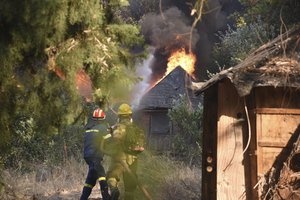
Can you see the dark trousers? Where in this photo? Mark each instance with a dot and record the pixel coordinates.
(96, 173)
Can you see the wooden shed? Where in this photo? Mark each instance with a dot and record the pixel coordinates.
(154, 106)
(250, 113)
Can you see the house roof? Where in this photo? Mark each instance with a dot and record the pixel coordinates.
(276, 63)
(166, 91)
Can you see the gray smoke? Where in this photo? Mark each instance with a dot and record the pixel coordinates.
(170, 30)
(171, 33)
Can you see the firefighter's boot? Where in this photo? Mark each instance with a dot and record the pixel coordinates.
(115, 193)
(104, 190)
(113, 186)
(86, 191)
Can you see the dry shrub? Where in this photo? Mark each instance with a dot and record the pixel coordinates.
(283, 179)
(163, 178)
(166, 179)
(46, 182)
(185, 183)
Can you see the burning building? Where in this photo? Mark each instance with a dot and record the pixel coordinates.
(161, 96)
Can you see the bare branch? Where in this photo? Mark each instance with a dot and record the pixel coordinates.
(161, 11)
(197, 19)
(283, 26)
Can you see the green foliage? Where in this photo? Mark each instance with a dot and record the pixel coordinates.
(272, 12)
(126, 33)
(87, 14)
(235, 45)
(119, 2)
(138, 9)
(29, 148)
(260, 22)
(42, 47)
(187, 144)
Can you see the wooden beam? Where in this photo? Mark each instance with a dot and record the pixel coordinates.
(250, 157)
(283, 111)
(271, 144)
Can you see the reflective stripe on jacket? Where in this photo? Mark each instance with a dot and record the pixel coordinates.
(92, 141)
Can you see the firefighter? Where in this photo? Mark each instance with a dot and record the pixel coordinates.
(127, 142)
(95, 133)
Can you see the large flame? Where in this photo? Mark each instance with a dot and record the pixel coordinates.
(181, 58)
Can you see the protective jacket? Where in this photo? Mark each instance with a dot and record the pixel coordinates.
(93, 135)
(127, 142)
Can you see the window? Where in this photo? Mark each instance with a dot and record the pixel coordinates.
(160, 123)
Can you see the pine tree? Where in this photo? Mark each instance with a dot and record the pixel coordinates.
(43, 44)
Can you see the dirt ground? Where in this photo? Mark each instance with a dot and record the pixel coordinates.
(62, 195)
(68, 195)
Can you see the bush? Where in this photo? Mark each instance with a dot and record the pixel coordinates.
(29, 148)
(235, 45)
(187, 142)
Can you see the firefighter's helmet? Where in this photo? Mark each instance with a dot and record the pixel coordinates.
(124, 109)
(99, 114)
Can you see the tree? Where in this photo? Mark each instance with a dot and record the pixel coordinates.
(42, 47)
(273, 12)
(138, 8)
(258, 23)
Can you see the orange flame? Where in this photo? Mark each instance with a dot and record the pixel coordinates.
(84, 85)
(83, 82)
(181, 58)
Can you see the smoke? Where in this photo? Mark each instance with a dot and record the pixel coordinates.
(143, 71)
(170, 31)
(166, 32)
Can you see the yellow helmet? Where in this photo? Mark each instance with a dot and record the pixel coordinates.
(124, 109)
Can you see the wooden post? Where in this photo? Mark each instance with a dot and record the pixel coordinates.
(209, 156)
